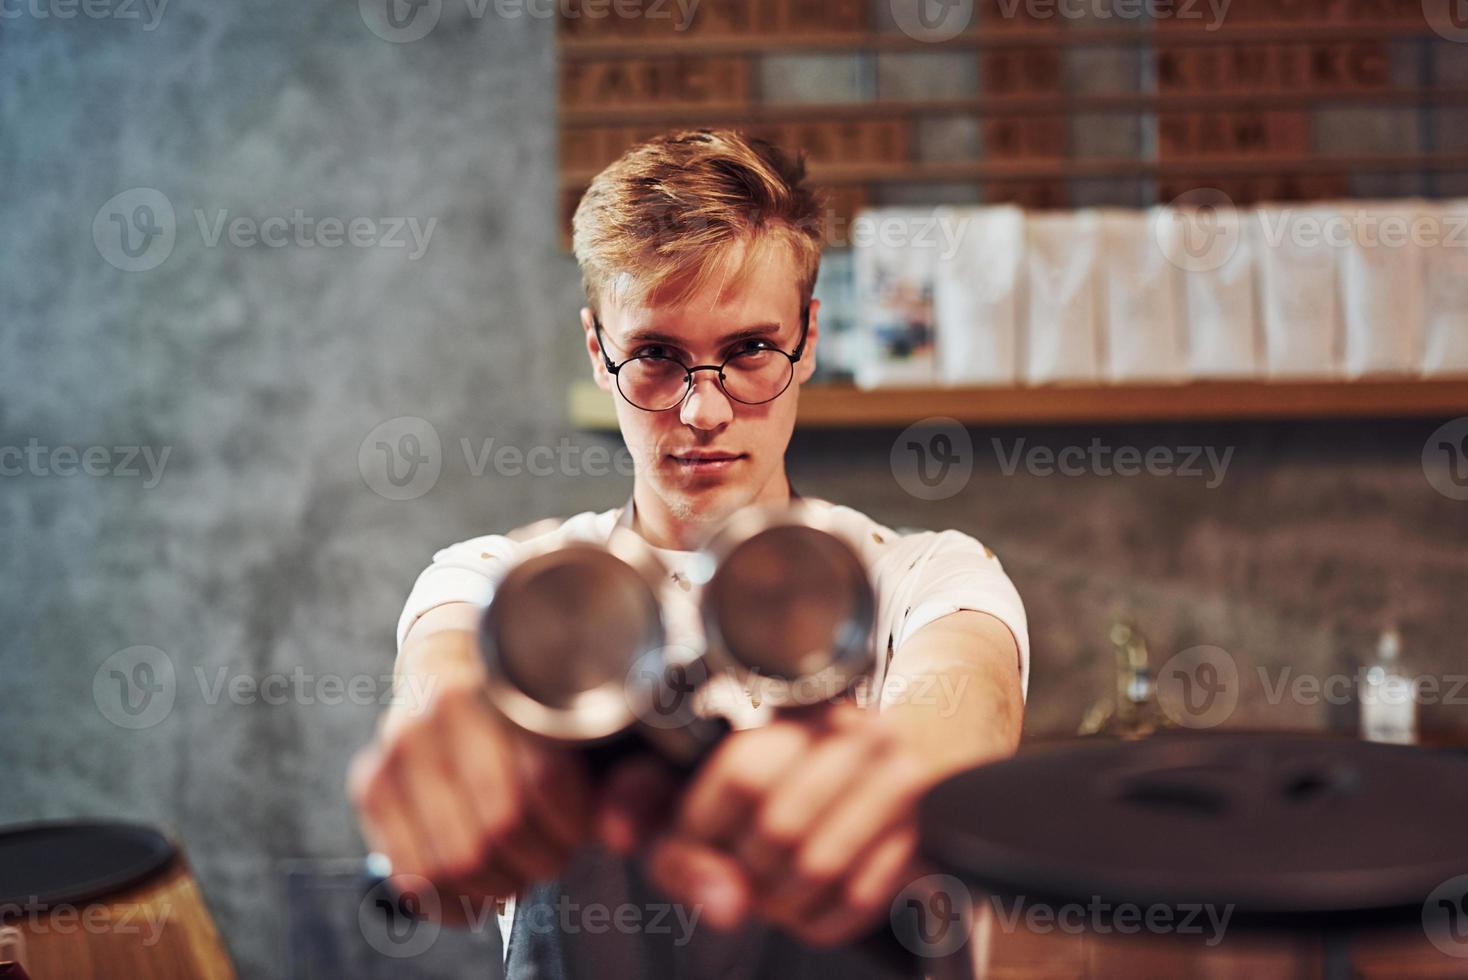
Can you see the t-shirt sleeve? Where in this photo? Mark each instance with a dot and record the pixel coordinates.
(960, 573)
(463, 572)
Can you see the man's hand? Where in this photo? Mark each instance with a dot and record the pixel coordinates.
(451, 794)
(807, 823)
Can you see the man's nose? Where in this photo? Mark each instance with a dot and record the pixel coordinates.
(706, 406)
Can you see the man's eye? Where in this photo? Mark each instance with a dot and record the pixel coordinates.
(750, 346)
(653, 350)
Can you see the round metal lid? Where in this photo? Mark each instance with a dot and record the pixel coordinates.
(1283, 827)
(52, 863)
(563, 633)
(789, 605)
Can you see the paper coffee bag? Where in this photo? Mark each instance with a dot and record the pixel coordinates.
(975, 299)
(1062, 329)
(1144, 330)
(896, 254)
(1297, 249)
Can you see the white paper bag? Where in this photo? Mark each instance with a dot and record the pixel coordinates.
(1445, 316)
(896, 254)
(1062, 334)
(1297, 251)
(976, 292)
(1381, 287)
(1215, 251)
(1144, 332)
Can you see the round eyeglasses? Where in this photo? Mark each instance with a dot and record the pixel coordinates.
(754, 372)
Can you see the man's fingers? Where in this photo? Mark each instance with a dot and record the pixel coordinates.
(385, 824)
(863, 899)
(696, 874)
(795, 806)
(722, 799)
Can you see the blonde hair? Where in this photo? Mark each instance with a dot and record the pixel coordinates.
(660, 222)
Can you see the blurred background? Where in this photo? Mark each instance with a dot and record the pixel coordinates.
(285, 306)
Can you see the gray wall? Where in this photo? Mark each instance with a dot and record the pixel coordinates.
(264, 549)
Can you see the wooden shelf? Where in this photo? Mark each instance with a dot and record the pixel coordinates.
(843, 406)
(1061, 168)
(572, 47)
(1010, 104)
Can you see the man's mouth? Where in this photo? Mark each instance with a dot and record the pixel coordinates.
(705, 462)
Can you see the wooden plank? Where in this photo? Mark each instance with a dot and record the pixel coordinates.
(1254, 189)
(1335, 68)
(1025, 138)
(1248, 133)
(1021, 70)
(590, 148)
(1250, 15)
(1016, 104)
(714, 83)
(1036, 195)
(1018, 37)
(1214, 167)
(664, 21)
(839, 406)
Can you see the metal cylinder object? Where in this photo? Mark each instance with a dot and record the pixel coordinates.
(789, 606)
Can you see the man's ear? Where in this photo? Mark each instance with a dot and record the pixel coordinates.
(593, 350)
(807, 363)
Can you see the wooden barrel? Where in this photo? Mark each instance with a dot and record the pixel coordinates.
(102, 899)
(1221, 855)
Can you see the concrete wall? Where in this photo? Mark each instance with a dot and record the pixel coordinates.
(269, 549)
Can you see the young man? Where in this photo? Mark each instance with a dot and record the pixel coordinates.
(699, 252)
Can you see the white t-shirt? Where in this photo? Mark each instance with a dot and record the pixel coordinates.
(918, 577)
